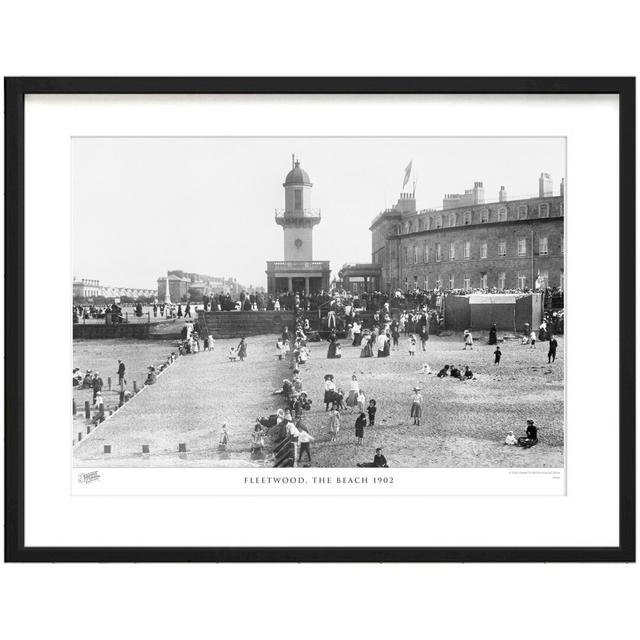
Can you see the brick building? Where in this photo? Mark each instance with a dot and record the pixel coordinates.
(472, 244)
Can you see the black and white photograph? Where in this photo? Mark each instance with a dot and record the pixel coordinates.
(348, 302)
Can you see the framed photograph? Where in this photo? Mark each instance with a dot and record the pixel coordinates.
(320, 319)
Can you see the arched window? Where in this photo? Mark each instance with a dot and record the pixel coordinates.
(452, 219)
(502, 214)
(439, 222)
(484, 215)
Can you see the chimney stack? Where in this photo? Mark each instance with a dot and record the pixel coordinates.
(545, 185)
(502, 196)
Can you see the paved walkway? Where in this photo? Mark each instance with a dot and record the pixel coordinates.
(188, 405)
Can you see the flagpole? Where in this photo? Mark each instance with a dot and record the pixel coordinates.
(415, 179)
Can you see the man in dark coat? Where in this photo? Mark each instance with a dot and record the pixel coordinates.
(553, 345)
(121, 370)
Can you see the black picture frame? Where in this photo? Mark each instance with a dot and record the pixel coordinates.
(15, 91)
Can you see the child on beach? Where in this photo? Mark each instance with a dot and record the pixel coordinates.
(212, 343)
(498, 354)
(371, 410)
(354, 392)
(361, 401)
(334, 424)
(416, 406)
(233, 356)
(412, 345)
(361, 422)
(279, 349)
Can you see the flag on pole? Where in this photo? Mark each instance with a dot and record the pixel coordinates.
(407, 174)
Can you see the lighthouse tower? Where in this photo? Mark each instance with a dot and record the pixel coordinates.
(297, 219)
(298, 271)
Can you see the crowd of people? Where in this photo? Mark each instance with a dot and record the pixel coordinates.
(288, 424)
(375, 333)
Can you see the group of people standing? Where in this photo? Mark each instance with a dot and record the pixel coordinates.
(356, 402)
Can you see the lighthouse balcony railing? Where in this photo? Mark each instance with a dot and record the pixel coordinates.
(282, 214)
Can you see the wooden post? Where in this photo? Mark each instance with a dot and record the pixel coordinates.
(74, 407)
(79, 436)
(88, 429)
(182, 447)
(109, 383)
(145, 448)
(87, 410)
(107, 448)
(135, 387)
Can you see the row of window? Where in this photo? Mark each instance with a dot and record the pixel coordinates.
(421, 254)
(521, 281)
(451, 219)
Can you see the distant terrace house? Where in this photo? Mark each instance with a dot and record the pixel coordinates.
(472, 244)
(88, 289)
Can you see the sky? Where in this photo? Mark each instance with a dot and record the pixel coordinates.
(142, 206)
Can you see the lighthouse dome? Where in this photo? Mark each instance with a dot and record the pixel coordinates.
(297, 175)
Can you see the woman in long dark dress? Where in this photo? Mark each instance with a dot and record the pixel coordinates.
(387, 345)
(242, 350)
(366, 351)
(331, 352)
(361, 422)
(493, 337)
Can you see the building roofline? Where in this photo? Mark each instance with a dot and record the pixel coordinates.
(476, 225)
(391, 212)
